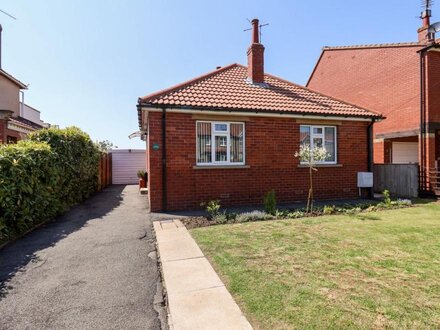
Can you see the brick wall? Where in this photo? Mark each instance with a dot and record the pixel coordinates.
(15, 134)
(154, 160)
(382, 151)
(385, 80)
(3, 129)
(5, 132)
(270, 146)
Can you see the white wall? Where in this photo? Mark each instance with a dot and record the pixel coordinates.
(9, 95)
(31, 114)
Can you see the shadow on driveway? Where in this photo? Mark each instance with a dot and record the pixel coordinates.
(20, 253)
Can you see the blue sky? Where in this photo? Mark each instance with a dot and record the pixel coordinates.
(87, 62)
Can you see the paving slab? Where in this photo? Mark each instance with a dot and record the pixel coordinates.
(172, 234)
(181, 248)
(197, 298)
(206, 309)
(189, 275)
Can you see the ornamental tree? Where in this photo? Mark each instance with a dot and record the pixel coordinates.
(310, 157)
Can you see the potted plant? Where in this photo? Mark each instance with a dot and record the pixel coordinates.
(142, 182)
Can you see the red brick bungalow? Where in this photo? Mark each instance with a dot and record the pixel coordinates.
(401, 81)
(231, 135)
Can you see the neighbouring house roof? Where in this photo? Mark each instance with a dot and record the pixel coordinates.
(12, 79)
(384, 45)
(25, 123)
(229, 89)
(392, 51)
(17, 124)
(420, 44)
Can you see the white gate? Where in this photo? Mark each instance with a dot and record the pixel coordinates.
(125, 165)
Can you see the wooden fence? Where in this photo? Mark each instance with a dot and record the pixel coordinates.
(105, 171)
(400, 180)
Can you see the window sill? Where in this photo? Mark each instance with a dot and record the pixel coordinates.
(320, 165)
(218, 167)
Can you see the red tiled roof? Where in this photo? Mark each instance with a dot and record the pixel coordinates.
(228, 89)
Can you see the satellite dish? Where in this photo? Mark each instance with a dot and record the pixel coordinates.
(434, 28)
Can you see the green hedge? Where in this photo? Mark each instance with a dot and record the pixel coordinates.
(45, 176)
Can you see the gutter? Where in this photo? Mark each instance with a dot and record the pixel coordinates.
(370, 153)
(253, 112)
(164, 159)
(423, 187)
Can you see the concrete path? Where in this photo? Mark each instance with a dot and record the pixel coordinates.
(197, 298)
(93, 268)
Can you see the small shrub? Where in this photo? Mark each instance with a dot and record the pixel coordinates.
(141, 174)
(403, 202)
(281, 214)
(352, 211)
(220, 218)
(270, 204)
(296, 214)
(328, 209)
(371, 208)
(213, 208)
(231, 217)
(386, 199)
(363, 206)
(254, 216)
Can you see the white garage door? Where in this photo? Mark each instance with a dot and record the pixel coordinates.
(125, 165)
(405, 152)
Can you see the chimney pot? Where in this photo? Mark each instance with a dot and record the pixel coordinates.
(255, 55)
(423, 31)
(255, 32)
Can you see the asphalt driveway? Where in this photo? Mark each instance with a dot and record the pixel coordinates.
(93, 268)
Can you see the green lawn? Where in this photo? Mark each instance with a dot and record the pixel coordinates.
(372, 270)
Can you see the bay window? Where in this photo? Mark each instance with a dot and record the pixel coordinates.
(220, 143)
(320, 136)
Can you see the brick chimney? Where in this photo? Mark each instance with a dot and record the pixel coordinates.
(424, 36)
(255, 56)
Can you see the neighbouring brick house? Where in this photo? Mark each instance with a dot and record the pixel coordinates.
(231, 135)
(401, 81)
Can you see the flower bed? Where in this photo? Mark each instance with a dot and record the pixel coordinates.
(216, 216)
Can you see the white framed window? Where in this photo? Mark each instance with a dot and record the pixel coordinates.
(220, 143)
(320, 136)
